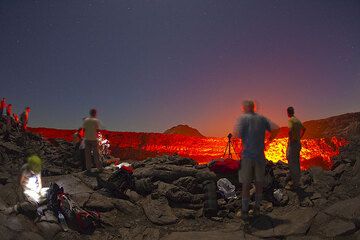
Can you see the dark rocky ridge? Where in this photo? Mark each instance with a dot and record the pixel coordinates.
(344, 125)
(184, 130)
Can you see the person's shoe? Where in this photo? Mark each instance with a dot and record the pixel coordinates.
(88, 173)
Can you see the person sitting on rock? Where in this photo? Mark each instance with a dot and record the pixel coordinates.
(251, 129)
(91, 126)
(30, 182)
(296, 132)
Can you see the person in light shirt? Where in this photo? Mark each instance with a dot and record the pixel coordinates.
(91, 126)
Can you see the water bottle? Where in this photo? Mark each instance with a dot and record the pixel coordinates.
(226, 188)
(63, 222)
(278, 194)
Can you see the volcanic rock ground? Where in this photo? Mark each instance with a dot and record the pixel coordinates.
(167, 202)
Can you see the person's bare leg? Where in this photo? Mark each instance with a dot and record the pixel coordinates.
(258, 196)
(245, 197)
(97, 156)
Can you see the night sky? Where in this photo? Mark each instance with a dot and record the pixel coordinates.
(150, 65)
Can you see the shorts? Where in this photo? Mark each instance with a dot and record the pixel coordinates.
(252, 170)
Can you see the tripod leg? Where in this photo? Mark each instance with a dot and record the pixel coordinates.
(236, 155)
(226, 149)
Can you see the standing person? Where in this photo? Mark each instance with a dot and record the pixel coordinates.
(2, 106)
(9, 110)
(8, 122)
(16, 118)
(16, 121)
(24, 118)
(79, 153)
(91, 126)
(296, 132)
(251, 129)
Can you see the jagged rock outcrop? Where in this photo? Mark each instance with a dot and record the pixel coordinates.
(184, 130)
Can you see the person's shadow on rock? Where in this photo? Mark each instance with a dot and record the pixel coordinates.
(265, 222)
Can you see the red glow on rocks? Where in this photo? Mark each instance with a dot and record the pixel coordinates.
(138, 146)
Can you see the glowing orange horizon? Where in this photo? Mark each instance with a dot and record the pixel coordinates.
(138, 146)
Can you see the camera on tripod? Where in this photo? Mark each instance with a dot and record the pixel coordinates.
(228, 148)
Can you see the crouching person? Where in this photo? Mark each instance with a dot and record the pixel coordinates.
(30, 181)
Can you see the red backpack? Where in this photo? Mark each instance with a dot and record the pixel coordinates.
(76, 217)
(226, 166)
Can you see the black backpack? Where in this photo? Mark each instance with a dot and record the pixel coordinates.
(76, 217)
(119, 181)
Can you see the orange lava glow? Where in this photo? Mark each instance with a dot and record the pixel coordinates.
(138, 146)
(314, 152)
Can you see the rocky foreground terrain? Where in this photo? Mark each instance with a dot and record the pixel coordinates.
(167, 201)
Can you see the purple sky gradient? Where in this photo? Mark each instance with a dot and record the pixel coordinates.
(150, 65)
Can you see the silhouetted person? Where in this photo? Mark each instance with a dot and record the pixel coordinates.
(9, 121)
(9, 110)
(296, 132)
(16, 118)
(80, 147)
(2, 106)
(24, 118)
(91, 126)
(251, 129)
(16, 121)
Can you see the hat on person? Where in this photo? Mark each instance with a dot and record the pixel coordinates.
(34, 163)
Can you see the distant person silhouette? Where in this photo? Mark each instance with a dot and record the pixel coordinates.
(9, 110)
(251, 128)
(24, 118)
(79, 153)
(296, 132)
(9, 122)
(2, 106)
(16, 118)
(16, 121)
(91, 126)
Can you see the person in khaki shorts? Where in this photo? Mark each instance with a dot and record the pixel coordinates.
(296, 132)
(91, 126)
(251, 128)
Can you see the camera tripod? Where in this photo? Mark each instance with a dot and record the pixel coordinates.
(228, 147)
